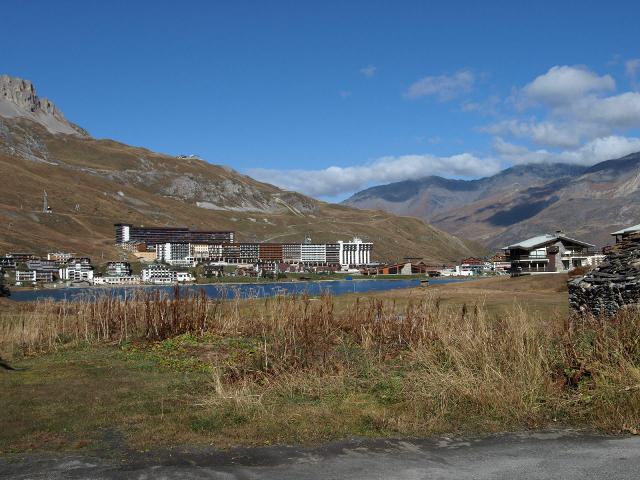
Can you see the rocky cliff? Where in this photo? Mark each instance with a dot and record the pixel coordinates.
(18, 99)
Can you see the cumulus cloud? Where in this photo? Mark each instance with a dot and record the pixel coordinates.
(562, 84)
(548, 133)
(333, 181)
(595, 151)
(369, 71)
(443, 87)
(617, 111)
(577, 107)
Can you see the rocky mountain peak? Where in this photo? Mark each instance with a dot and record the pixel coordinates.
(18, 99)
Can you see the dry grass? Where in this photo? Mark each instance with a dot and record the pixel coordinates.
(297, 369)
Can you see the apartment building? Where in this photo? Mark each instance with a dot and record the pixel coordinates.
(271, 252)
(205, 251)
(159, 274)
(7, 263)
(175, 254)
(78, 270)
(125, 233)
(60, 257)
(185, 277)
(313, 253)
(355, 253)
(118, 269)
(181, 246)
(33, 276)
(117, 280)
(291, 252)
(43, 265)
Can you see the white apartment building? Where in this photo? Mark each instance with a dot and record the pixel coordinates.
(175, 254)
(184, 277)
(118, 269)
(76, 272)
(160, 274)
(355, 253)
(117, 280)
(204, 251)
(25, 276)
(311, 253)
(60, 256)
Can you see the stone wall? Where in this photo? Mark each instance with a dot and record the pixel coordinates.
(612, 285)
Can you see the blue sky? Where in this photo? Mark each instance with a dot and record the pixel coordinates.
(330, 97)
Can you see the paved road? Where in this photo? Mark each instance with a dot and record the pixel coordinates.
(549, 455)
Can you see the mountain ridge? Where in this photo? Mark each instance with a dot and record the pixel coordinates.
(93, 183)
(524, 200)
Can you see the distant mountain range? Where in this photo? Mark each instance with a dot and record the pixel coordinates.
(520, 202)
(92, 184)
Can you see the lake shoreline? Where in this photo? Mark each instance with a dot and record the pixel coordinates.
(234, 290)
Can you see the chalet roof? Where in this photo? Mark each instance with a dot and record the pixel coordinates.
(635, 228)
(541, 240)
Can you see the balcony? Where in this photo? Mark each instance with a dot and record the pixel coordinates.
(577, 254)
(529, 258)
(524, 268)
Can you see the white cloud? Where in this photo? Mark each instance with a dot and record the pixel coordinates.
(595, 151)
(548, 133)
(617, 111)
(576, 109)
(562, 84)
(333, 181)
(443, 87)
(369, 71)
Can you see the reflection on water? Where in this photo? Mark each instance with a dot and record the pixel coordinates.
(245, 290)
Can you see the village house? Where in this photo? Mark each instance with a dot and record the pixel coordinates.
(472, 266)
(625, 232)
(500, 263)
(548, 253)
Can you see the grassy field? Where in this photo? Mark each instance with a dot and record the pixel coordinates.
(545, 294)
(454, 358)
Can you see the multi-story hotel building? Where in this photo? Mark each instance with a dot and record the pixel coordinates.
(291, 252)
(77, 271)
(180, 246)
(118, 269)
(157, 273)
(313, 253)
(355, 253)
(126, 233)
(174, 253)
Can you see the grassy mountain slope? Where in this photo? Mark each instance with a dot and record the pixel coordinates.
(92, 184)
